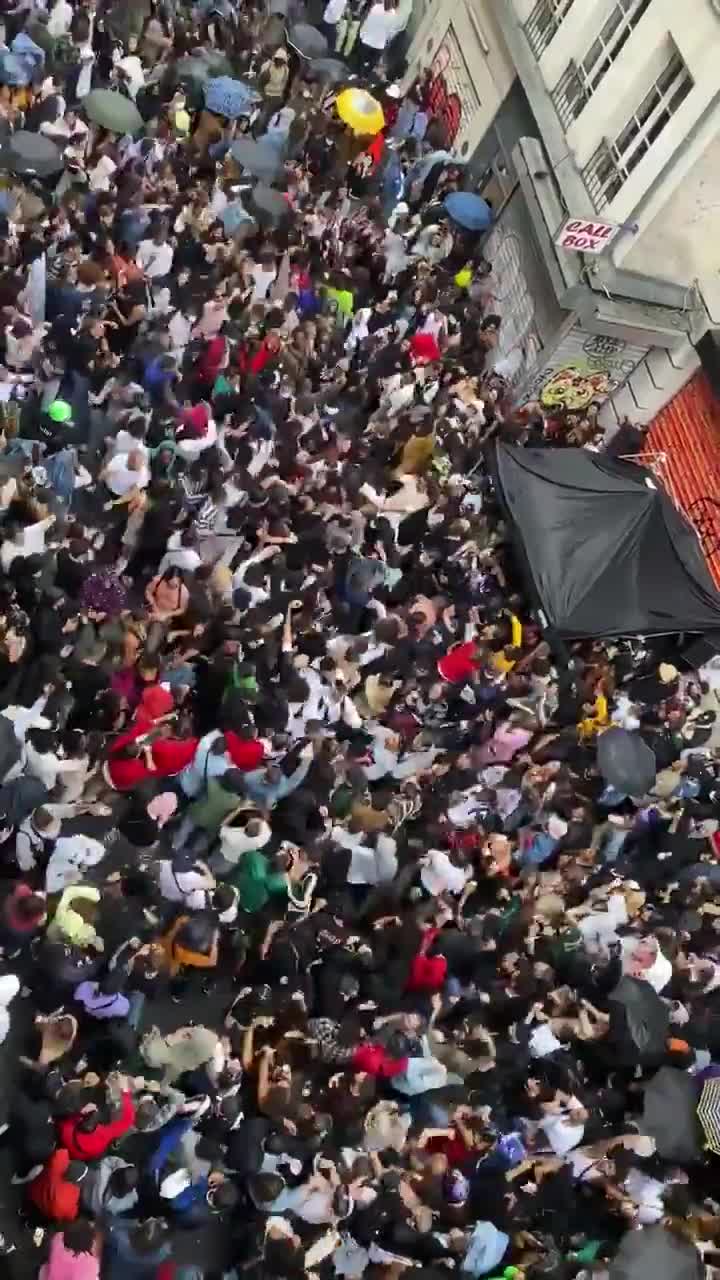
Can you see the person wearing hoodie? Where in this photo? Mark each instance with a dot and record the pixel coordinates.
(110, 1188)
(55, 1192)
(87, 1135)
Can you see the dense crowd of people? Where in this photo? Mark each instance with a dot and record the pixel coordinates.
(327, 948)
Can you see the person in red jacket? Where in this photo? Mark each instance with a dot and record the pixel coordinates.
(129, 760)
(461, 662)
(246, 753)
(87, 1137)
(55, 1192)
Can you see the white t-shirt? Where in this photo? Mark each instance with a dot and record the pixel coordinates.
(187, 887)
(561, 1134)
(155, 259)
(101, 174)
(379, 27)
(120, 479)
(263, 279)
(334, 10)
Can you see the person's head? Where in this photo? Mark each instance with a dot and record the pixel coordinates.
(149, 1236)
(79, 1236)
(31, 908)
(122, 1182)
(223, 1198)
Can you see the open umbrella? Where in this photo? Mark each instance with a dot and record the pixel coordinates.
(112, 111)
(231, 98)
(307, 40)
(468, 210)
(360, 111)
(270, 205)
(330, 69)
(654, 1253)
(626, 761)
(259, 158)
(639, 1022)
(708, 1113)
(31, 153)
(670, 1115)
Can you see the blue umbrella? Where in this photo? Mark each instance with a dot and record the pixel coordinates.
(468, 210)
(231, 98)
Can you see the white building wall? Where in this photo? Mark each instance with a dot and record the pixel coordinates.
(673, 193)
(465, 31)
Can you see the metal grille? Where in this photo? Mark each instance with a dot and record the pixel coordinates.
(614, 161)
(459, 78)
(545, 22)
(580, 80)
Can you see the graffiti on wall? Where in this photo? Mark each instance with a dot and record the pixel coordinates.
(584, 368)
(452, 96)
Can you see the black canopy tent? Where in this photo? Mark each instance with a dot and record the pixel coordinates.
(606, 551)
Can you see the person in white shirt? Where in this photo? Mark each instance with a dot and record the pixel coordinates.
(181, 552)
(26, 540)
(185, 880)
(333, 13)
(240, 833)
(126, 471)
(376, 33)
(155, 256)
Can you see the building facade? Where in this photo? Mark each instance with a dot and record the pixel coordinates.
(620, 122)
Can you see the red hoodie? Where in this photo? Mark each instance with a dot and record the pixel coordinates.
(459, 663)
(171, 755)
(125, 774)
(246, 753)
(93, 1144)
(155, 703)
(55, 1198)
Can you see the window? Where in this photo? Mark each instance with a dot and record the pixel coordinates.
(580, 81)
(613, 162)
(545, 22)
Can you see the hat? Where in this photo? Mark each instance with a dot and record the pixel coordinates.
(59, 411)
(281, 53)
(667, 672)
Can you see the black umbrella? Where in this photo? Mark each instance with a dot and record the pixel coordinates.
(269, 204)
(259, 158)
(670, 1115)
(653, 1253)
(330, 69)
(307, 40)
(626, 761)
(639, 1022)
(31, 153)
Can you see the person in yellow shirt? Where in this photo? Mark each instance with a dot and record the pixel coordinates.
(596, 719)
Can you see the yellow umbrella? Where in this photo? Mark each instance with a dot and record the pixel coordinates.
(361, 111)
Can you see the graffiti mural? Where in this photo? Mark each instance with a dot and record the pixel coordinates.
(584, 368)
(444, 103)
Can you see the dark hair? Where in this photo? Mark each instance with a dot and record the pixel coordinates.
(79, 1236)
(148, 1236)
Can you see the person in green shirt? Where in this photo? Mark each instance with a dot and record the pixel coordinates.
(258, 877)
(207, 814)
